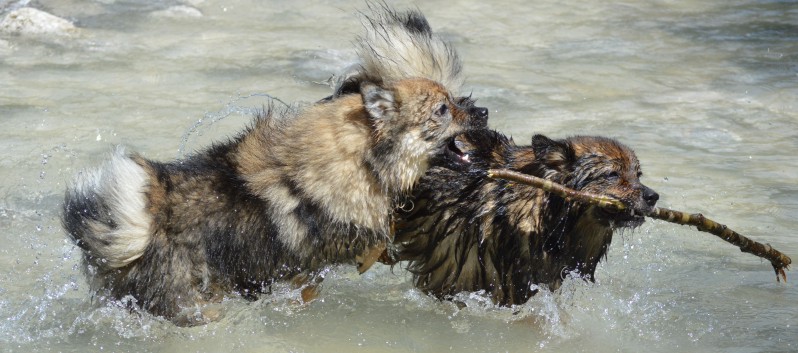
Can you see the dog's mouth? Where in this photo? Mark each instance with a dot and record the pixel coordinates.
(627, 218)
(454, 151)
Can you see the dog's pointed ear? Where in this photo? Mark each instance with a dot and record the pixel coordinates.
(379, 102)
(555, 155)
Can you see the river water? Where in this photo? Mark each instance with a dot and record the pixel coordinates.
(706, 92)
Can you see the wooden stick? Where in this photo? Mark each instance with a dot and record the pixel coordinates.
(557, 189)
(779, 261)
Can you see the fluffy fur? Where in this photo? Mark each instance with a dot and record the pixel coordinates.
(121, 214)
(399, 45)
(471, 233)
(292, 194)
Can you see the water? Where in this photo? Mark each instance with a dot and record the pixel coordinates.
(704, 91)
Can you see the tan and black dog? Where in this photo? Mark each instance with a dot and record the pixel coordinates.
(467, 232)
(292, 194)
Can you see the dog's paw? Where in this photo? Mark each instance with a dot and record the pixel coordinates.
(199, 315)
(310, 293)
(369, 257)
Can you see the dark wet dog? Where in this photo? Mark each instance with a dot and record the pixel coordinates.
(467, 232)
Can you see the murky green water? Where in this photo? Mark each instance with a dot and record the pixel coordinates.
(706, 92)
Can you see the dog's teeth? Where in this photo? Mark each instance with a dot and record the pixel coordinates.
(465, 158)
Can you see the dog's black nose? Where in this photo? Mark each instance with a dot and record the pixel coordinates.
(479, 117)
(482, 113)
(650, 196)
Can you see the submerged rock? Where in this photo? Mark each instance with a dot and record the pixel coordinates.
(28, 20)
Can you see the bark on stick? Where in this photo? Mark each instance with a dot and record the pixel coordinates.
(779, 261)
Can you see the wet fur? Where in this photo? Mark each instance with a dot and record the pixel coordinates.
(467, 232)
(292, 194)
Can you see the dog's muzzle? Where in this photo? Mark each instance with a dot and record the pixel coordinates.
(478, 117)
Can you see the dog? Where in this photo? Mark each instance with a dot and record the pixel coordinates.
(462, 231)
(295, 192)
(468, 233)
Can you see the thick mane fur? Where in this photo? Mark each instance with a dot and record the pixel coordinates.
(399, 45)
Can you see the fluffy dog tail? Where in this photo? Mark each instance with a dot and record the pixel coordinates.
(400, 45)
(105, 212)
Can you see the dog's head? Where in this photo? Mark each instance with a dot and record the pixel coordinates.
(414, 120)
(397, 51)
(600, 166)
(423, 113)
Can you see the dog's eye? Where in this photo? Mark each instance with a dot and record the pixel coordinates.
(442, 110)
(613, 175)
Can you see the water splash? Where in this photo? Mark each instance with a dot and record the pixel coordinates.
(230, 108)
